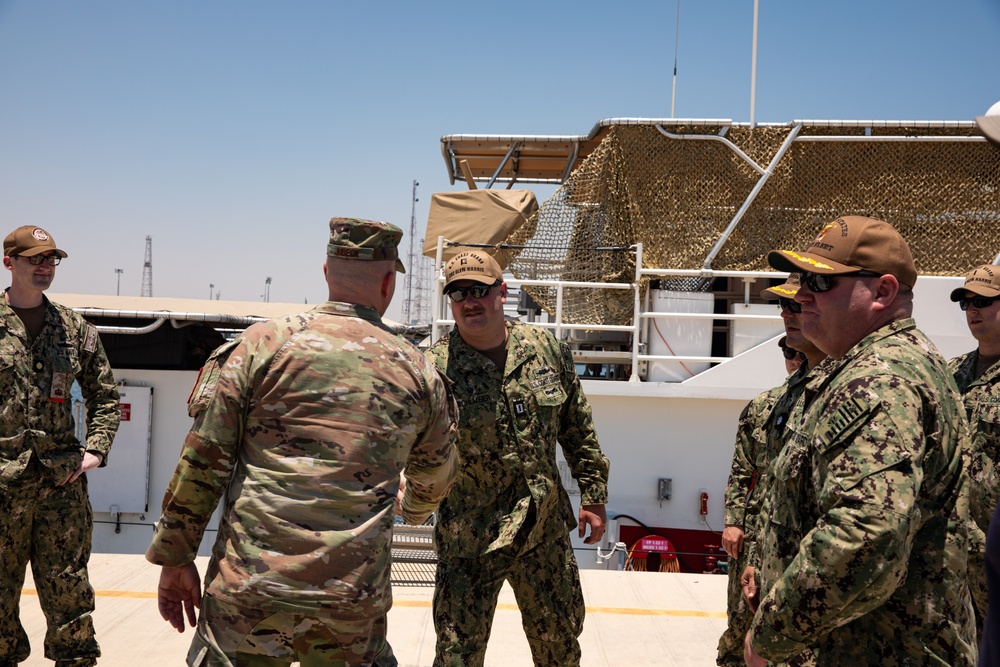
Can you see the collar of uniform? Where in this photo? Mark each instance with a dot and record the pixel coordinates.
(829, 367)
(345, 309)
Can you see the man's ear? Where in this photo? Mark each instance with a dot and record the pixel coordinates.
(886, 290)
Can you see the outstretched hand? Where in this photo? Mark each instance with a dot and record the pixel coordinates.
(179, 594)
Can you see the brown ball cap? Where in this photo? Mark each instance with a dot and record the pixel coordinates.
(29, 240)
(786, 289)
(850, 244)
(983, 280)
(473, 265)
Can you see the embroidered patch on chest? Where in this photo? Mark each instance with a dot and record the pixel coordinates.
(844, 417)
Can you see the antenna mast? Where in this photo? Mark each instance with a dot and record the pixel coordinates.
(147, 269)
(417, 272)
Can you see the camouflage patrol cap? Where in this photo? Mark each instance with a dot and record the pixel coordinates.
(850, 244)
(354, 238)
(29, 240)
(473, 265)
(785, 290)
(983, 280)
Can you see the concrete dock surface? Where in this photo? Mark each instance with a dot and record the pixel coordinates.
(633, 619)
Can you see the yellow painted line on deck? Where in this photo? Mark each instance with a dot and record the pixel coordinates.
(622, 611)
(426, 604)
(107, 594)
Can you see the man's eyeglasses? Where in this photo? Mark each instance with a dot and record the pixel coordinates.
(36, 260)
(789, 353)
(459, 294)
(977, 302)
(824, 282)
(789, 304)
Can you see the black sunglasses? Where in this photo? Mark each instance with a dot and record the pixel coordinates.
(459, 294)
(789, 353)
(976, 302)
(789, 304)
(37, 260)
(824, 282)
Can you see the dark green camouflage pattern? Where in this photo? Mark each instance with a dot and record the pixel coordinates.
(742, 505)
(508, 515)
(509, 422)
(39, 520)
(784, 410)
(982, 408)
(36, 417)
(864, 548)
(546, 585)
(304, 423)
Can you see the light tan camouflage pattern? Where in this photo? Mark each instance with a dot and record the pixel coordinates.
(982, 408)
(742, 505)
(864, 549)
(304, 424)
(509, 422)
(272, 639)
(40, 521)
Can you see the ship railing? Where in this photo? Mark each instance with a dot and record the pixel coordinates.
(637, 356)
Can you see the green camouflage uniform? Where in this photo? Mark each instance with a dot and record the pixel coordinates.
(787, 408)
(508, 516)
(304, 424)
(864, 548)
(982, 407)
(40, 521)
(743, 499)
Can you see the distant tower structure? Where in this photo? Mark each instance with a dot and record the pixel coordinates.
(147, 269)
(416, 307)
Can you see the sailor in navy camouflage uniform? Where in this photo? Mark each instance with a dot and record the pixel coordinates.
(508, 516)
(977, 375)
(864, 549)
(45, 514)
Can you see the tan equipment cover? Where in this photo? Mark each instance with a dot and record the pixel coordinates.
(477, 216)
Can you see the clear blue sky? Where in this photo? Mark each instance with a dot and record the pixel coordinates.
(231, 130)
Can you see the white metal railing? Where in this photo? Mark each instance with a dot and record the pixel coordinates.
(635, 355)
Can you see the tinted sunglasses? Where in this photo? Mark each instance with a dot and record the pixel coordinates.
(37, 260)
(789, 353)
(789, 304)
(976, 302)
(823, 282)
(459, 294)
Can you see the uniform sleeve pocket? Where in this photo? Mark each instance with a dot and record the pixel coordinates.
(208, 378)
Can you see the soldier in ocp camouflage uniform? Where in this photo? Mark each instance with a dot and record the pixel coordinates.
(977, 375)
(45, 514)
(508, 516)
(303, 424)
(863, 553)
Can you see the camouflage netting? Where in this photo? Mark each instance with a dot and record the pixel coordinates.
(677, 197)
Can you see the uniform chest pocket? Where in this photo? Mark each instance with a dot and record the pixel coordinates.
(986, 425)
(66, 360)
(790, 478)
(477, 415)
(545, 388)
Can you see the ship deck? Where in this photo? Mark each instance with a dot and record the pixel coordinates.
(633, 618)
